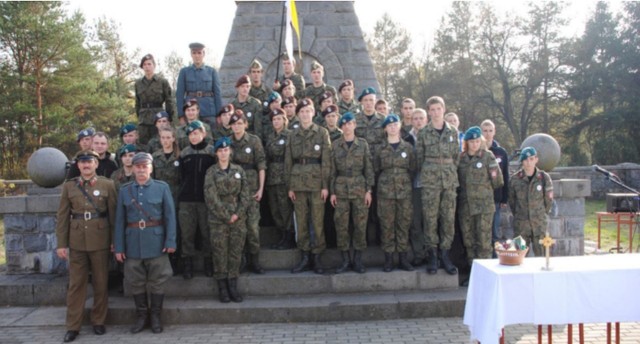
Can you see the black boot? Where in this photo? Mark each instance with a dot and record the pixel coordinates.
(317, 265)
(388, 262)
(142, 312)
(289, 240)
(345, 263)
(255, 264)
(432, 261)
(208, 266)
(447, 264)
(404, 262)
(283, 238)
(176, 264)
(187, 269)
(223, 291)
(304, 264)
(233, 290)
(156, 311)
(357, 262)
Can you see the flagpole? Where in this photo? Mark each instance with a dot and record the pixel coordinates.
(284, 7)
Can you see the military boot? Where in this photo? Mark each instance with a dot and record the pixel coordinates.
(432, 261)
(255, 264)
(142, 312)
(345, 262)
(404, 262)
(223, 291)
(176, 264)
(187, 269)
(208, 266)
(156, 312)
(317, 265)
(304, 264)
(357, 262)
(447, 264)
(289, 241)
(233, 290)
(388, 262)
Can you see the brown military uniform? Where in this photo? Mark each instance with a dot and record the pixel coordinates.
(85, 226)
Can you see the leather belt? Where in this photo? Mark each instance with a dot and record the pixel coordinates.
(151, 105)
(88, 216)
(248, 166)
(200, 94)
(142, 224)
(439, 161)
(307, 161)
(348, 174)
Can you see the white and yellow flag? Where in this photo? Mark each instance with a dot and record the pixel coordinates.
(292, 22)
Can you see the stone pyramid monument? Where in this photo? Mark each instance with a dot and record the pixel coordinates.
(330, 34)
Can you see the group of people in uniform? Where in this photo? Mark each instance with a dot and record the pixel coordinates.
(333, 168)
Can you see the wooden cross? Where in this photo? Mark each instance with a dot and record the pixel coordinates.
(547, 241)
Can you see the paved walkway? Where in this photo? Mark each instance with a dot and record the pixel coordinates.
(432, 331)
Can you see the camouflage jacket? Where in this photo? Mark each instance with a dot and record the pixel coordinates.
(275, 148)
(307, 159)
(479, 175)
(167, 170)
(248, 153)
(226, 192)
(395, 168)
(438, 156)
(150, 97)
(530, 200)
(351, 169)
(370, 129)
(252, 109)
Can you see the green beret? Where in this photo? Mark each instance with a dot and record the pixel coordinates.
(273, 96)
(128, 149)
(193, 126)
(391, 118)
(473, 133)
(367, 91)
(127, 128)
(347, 117)
(222, 142)
(527, 152)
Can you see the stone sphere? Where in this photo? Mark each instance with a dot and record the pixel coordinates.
(548, 150)
(47, 167)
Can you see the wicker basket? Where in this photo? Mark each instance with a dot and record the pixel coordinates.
(511, 257)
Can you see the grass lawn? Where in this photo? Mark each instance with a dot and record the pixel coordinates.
(608, 230)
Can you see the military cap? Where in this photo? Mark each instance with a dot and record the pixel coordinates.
(527, 152)
(367, 91)
(286, 83)
(303, 103)
(326, 95)
(273, 96)
(330, 109)
(255, 64)
(222, 142)
(289, 100)
(189, 103)
(128, 149)
(347, 117)
(473, 133)
(160, 115)
(87, 155)
(147, 57)
(391, 118)
(316, 65)
(127, 128)
(225, 109)
(276, 112)
(196, 46)
(142, 158)
(193, 126)
(85, 133)
(238, 115)
(345, 84)
(243, 80)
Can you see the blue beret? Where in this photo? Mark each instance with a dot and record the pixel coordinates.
(159, 115)
(85, 133)
(193, 126)
(527, 152)
(128, 149)
(127, 128)
(391, 118)
(367, 91)
(142, 158)
(347, 117)
(473, 133)
(273, 96)
(222, 142)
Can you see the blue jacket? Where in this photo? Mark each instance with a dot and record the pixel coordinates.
(204, 79)
(154, 198)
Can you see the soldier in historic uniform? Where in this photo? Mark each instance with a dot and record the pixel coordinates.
(144, 236)
(437, 150)
(251, 107)
(153, 95)
(307, 168)
(259, 89)
(351, 186)
(347, 102)
(530, 199)
(191, 110)
(248, 153)
(223, 127)
(289, 105)
(106, 161)
(201, 82)
(395, 165)
(479, 174)
(85, 141)
(124, 174)
(279, 203)
(162, 119)
(227, 196)
(318, 87)
(289, 73)
(84, 229)
(194, 161)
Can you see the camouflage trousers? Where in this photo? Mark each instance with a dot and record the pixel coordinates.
(438, 208)
(416, 230)
(252, 243)
(193, 216)
(280, 206)
(227, 242)
(532, 233)
(309, 207)
(146, 132)
(395, 219)
(345, 210)
(476, 234)
(148, 274)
